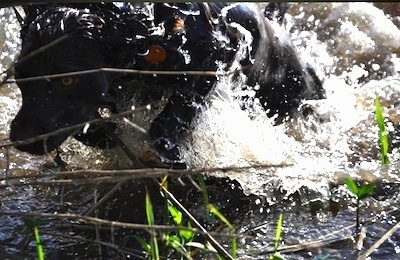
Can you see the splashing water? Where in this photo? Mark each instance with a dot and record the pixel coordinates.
(355, 56)
(353, 47)
(339, 137)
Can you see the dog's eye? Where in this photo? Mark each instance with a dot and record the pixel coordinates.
(67, 81)
(156, 54)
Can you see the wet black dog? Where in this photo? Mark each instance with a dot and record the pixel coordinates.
(173, 37)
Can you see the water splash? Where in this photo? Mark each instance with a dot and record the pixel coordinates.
(337, 139)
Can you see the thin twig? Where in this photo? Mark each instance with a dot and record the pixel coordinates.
(316, 243)
(7, 165)
(110, 132)
(319, 243)
(124, 71)
(135, 126)
(112, 176)
(8, 72)
(220, 249)
(96, 225)
(110, 245)
(379, 242)
(104, 198)
(103, 222)
(70, 128)
(361, 238)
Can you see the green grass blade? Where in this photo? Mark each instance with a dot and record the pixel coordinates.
(233, 246)
(204, 191)
(352, 186)
(187, 235)
(32, 224)
(175, 214)
(278, 232)
(383, 136)
(380, 120)
(146, 246)
(39, 247)
(366, 190)
(149, 209)
(174, 241)
(19, 16)
(278, 236)
(150, 221)
(202, 184)
(219, 215)
(277, 256)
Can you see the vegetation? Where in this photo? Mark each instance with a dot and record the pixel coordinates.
(180, 242)
(278, 238)
(19, 16)
(382, 133)
(361, 192)
(153, 245)
(213, 210)
(32, 224)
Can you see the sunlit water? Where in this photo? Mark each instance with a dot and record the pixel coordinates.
(354, 48)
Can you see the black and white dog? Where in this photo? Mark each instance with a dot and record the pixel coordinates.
(159, 37)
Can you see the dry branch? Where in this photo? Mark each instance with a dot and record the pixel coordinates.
(378, 243)
(117, 70)
(5, 143)
(92, 220)
(81, 177)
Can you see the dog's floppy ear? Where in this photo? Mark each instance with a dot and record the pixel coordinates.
(132, 29)
(125, 38)
(31, 12)
(137, 33)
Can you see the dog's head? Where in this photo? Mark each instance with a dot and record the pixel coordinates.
(64, 40)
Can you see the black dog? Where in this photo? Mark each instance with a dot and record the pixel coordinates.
(173, 37)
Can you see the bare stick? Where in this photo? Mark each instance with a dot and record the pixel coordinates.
(379, 242)
(132, 252)
(93, 220)
(117, 70)
(104, 199)
(112, 176)
(8, 72)
(220, 249)
(69, 128)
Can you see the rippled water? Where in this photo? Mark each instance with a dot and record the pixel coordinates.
(354, 48)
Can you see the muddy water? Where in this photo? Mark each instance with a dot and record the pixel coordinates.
(354, 48)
